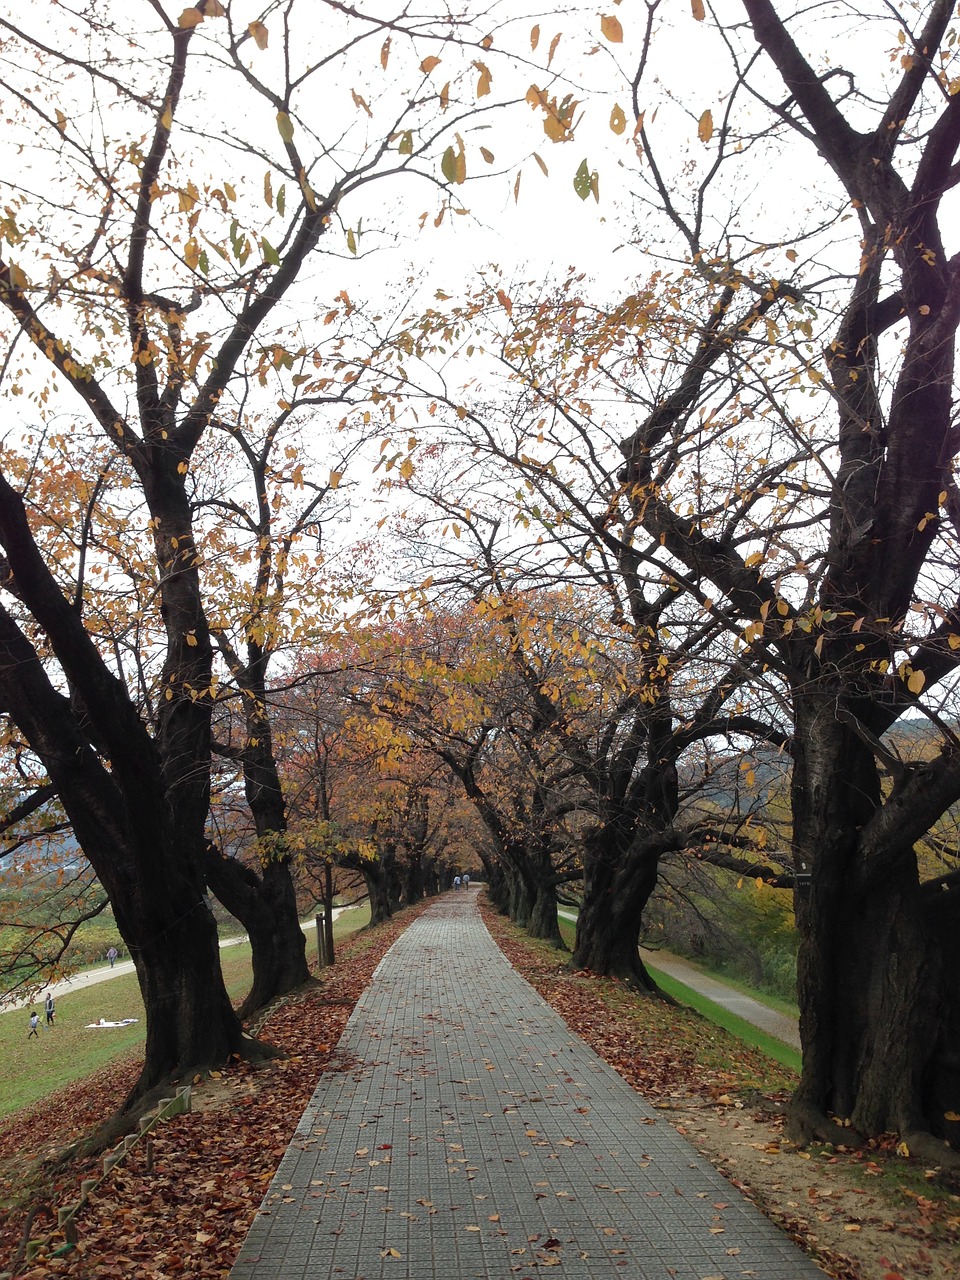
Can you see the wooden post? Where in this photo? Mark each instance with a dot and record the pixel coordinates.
(328, 905)
(321, 941)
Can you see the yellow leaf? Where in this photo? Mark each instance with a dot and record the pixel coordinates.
(487, 155)
(428, 64)
(215, 9)
(166, 120)
(62, 121)
(260, 34)
(406, 468)
(611, 28)
(385, 53)
(915, 681)
(190, 18)
(284, 126)
(951, 1116)
(335, 478)
(483, 84)
(903, 1150)
(792, 255)
(361, 102)
(618, 121)
(705, 126)
(698, 10)
(534, 36)
(753, 559)
(191, 640)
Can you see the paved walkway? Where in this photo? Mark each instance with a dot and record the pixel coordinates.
(471, 1134)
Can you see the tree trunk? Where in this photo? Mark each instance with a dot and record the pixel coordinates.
(191, 1022)
(264, 905)
(521, 897)
(617, 886)
(543, 922)
(378, 891)
(878, 1013)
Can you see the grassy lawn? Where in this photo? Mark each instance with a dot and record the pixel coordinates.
(753, 1036)
(745, 1031)
(33, 1069)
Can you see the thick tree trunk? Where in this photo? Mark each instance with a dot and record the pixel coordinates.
(521, 896)
(878, 1009)
(497, 891)
(191, 1022)
(617, 885)
(378, 891)
(265, 906)
(412, 878)
(543, 922)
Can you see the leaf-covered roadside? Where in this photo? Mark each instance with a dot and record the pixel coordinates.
(862, 1215)
(189, 1215)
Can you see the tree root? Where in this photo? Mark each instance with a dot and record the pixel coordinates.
(932, 1152)
(806, 1123)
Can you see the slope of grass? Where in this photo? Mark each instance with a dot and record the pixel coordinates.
(745, 1031)
(33, 1069)
(753, 1036)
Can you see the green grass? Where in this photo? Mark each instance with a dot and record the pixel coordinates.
(33, 1069)
(767, 998)
(785, 1054)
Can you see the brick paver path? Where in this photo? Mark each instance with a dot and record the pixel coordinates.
(477, 1136)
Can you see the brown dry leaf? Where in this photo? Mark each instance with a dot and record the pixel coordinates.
(611, 28)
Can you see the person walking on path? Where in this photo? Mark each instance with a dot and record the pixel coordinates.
(112, 956)
(34, 1023)
(466, 879)
(456, 882)
(50, 1009)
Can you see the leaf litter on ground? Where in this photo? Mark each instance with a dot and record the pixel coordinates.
(188, 1215)
(857, 1213)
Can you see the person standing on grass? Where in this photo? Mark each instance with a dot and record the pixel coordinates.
(112, 956)
(50, 1009)
(34, 1023)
